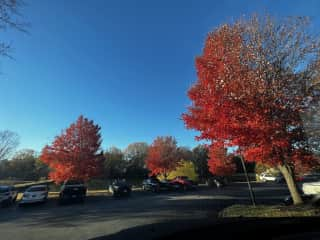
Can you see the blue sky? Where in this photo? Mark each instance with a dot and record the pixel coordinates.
(126, 65)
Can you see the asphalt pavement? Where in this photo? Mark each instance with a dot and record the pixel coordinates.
(105, 215)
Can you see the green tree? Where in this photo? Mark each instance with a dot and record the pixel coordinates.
(135, 155)
(22, 165)
(114, 163)
(4, 169)
(200, 160)
(185, 168)
(185, 153)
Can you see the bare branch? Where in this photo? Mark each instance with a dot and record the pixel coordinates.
(8, 143)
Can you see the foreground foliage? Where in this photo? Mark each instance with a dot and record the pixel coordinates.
(270, 211)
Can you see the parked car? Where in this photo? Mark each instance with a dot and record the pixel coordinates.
(8, 195)
(312, 177)
(267, 177)
(184, 182)
(120, 188)
(155, 185)
(299, 179)
(35, 194)
(280, 179)
(72, 190)
(311, 187)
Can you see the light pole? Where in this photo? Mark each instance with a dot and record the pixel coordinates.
(253, 199)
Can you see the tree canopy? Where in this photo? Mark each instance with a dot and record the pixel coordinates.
(252, 87)
(75, 153)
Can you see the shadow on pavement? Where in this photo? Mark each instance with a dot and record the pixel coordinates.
(232, 228)
(140, 205)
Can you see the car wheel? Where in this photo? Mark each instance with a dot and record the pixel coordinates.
(128, 192)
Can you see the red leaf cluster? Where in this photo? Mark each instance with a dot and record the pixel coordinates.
(220, 163)
(234, 102)
(74, 154)
(162, 156)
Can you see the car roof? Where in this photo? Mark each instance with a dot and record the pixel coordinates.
(4, 187)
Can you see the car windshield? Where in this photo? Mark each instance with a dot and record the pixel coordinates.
(145, 117)
(73, 182)
(4, 189)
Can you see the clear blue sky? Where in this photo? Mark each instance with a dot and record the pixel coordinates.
(125, 64)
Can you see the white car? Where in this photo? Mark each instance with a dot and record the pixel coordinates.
(267, 177)
(33, 194)
(8, 195)
(311, 188)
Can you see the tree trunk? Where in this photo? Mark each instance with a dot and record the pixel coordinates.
(292, 186)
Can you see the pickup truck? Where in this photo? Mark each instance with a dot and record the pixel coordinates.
(71, 191)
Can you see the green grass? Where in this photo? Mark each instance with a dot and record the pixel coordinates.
(270, 211)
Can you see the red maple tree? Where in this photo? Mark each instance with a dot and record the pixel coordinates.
(249, 94)
(75, 153)
(220, 163)
(162, 156)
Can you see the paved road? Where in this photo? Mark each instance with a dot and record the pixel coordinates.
(101, 215)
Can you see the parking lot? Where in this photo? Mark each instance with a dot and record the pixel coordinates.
(103, 215)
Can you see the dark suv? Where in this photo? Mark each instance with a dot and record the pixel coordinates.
(72, 190)
(155, 185)
(120, 188)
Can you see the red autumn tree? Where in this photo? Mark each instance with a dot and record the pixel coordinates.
(253, 79)
(162, 156)
(220, 163)
(75, 153)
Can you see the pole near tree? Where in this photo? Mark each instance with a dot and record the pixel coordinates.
(253, 199)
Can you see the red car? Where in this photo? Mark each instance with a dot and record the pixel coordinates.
(184, 182)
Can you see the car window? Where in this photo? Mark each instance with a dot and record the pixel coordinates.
(73, 182)
(4, 189)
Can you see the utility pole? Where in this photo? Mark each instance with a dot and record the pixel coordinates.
(253, 199)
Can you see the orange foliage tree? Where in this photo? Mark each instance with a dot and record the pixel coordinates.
(253, 79)
(75, 153)
(220, 163)
(162, 156)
